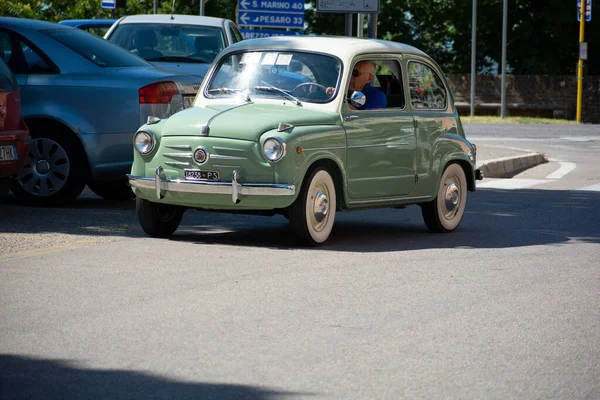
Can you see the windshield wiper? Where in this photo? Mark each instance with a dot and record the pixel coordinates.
(276, 89)
(225, 90)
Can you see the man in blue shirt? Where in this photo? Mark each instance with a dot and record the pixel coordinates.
(361, 79)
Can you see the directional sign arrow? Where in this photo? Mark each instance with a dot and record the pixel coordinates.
(244, 4)
(244, 18)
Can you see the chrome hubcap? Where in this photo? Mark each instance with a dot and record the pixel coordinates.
(320, 206)
(451, 197)
(46, 169)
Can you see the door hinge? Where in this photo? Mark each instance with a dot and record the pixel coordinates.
(416, 178)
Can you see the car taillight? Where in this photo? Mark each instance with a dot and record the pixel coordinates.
(158, 93)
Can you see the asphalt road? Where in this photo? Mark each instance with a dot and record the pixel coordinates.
(505, 307)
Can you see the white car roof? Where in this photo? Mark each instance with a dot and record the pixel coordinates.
(172, 19)
(343, 47)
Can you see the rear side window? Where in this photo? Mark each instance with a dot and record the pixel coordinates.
(22, 57)
(8, 83)
(426, 88)
(95, 49)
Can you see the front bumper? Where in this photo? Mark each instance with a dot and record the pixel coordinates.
(162, 185)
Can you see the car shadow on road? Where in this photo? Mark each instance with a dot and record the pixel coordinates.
(493, 219)
(31, 378)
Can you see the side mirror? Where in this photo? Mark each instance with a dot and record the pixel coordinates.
(358, 99)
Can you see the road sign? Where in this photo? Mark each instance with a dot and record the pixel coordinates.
(286, 6)
(588, 10)
(109, 3)
(271, 13)
(253, 34)
(348, 6)
(271, 19)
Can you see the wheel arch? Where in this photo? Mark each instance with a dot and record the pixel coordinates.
(335, 171)
(467, 167)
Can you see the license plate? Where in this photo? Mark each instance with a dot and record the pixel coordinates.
(200, 175)
(8, 153)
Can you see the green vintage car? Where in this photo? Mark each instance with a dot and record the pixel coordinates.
(306, 127)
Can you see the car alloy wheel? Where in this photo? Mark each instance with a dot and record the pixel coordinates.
(47, 168)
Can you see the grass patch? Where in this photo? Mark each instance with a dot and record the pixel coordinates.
(488, 119)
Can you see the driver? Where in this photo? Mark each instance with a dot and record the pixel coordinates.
(360, 81)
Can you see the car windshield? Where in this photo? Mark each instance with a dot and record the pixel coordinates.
(297, 76)
(170, 42)
(95, 49)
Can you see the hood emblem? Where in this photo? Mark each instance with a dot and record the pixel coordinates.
(201, 155)
(284, 126)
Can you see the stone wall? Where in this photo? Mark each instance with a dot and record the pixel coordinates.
(528, 95)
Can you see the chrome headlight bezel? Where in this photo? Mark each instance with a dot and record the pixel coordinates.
(268, 151)
(144, 147)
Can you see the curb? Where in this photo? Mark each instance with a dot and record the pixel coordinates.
(507, 167)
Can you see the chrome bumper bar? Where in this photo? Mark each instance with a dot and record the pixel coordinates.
(236, 189)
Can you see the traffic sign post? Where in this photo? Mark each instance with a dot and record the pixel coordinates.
(287, 14)
(588, 10)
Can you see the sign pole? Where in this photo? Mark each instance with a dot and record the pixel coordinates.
(580, 62)
(473, 65)
(348, 25)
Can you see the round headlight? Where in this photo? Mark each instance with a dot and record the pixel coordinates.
(144, 142)
(274, 149)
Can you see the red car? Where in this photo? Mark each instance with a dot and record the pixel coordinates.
(14, 135)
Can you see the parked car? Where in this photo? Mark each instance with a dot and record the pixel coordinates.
(98, 27)
(185, 43)
(83, 98)
(14, 135)
(250, 146)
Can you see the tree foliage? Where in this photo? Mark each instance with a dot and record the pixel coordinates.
(543, 35)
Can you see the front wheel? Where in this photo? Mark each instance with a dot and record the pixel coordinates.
(444, 213)
(313, 213)
(158, 220)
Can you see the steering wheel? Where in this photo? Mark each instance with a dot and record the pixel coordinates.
(304, 87)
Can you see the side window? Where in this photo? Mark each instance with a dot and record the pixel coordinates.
(426, 88)
(8, 83)
(22, 57)
(35, 63)
(5, 46)
(388, 80)
(380, 82)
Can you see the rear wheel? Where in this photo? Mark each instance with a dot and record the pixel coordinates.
(158, 220)
(445, 212)
(312, 215)
(111, 190)
(55, 171)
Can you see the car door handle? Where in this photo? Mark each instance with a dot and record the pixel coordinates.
(350, 117)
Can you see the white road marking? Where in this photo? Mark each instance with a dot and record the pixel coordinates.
(511, 183)
(592, 188)
(565, 168)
